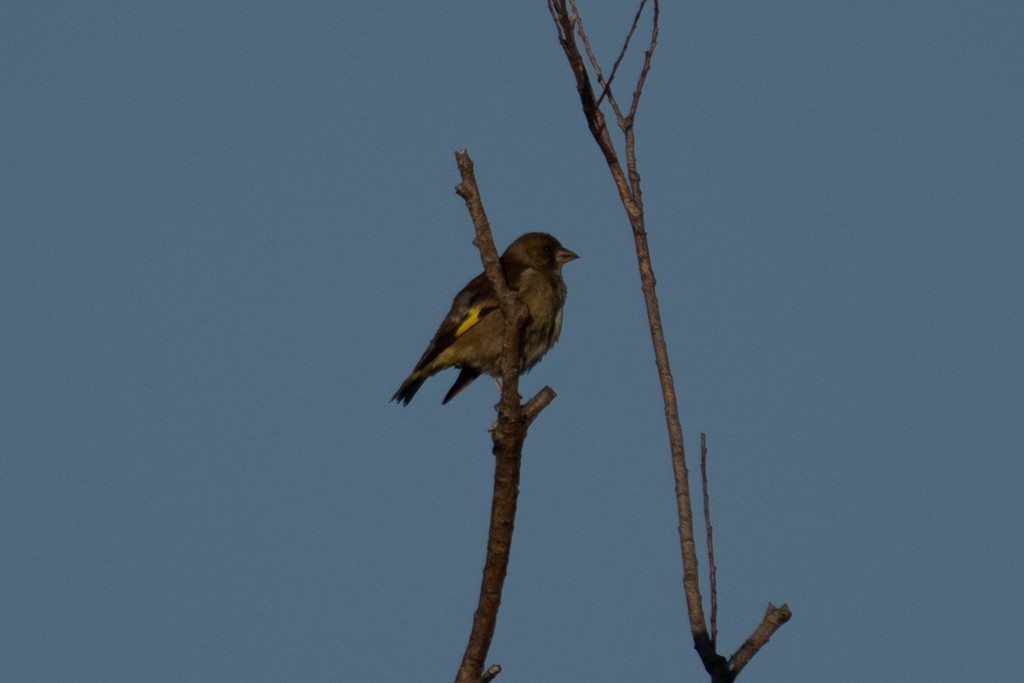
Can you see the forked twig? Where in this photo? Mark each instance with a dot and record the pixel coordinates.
(625, 122)
(627, 182)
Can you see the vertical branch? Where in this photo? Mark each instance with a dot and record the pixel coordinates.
(709, 536)
(633, 203)
(508, 436)
(627, 181)
(511, 307)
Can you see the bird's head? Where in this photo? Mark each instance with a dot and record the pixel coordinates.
(539, 250)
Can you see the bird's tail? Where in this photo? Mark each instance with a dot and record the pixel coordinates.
(465, 377)
(409, 387)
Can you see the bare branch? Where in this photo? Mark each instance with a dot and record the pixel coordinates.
(511, 307)
(490, 674)
(606, 85)
(632, 202)
(538, 403)
(712, 571)
(648, 55)
(508, 435)
(625, 121)
(565, 24)
(774, 618)
(627, 182)
(484, 241)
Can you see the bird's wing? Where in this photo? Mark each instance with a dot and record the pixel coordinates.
(475, 302)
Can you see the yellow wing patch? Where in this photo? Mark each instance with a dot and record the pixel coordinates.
(472, 318)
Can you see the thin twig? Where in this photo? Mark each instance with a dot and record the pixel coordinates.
(577, 21)
(646, 68)
(565, 24)
(605, 85)
(712, 571)
(626, 123)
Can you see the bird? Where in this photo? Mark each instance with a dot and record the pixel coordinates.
(470, 337)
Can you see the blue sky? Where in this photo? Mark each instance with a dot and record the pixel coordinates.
(230, 230)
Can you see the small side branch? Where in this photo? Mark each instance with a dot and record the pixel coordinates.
(709, 535)
(774, 618)
(490, 674)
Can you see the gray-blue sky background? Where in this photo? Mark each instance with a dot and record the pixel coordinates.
(229, 230)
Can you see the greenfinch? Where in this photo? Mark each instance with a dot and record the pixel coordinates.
(470, 337)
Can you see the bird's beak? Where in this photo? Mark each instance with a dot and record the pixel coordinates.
(564, 256)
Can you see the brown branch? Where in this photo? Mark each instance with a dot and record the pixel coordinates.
(490, 674)
(565, 23)
(538, 403)
(712, 571)
(569, 23)
(508, 435)
(606, 85)
(627, 123)
(625, 43)
(577, 21)
(648, 56)
(595, 118)
(634, 210)
(774, 618)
